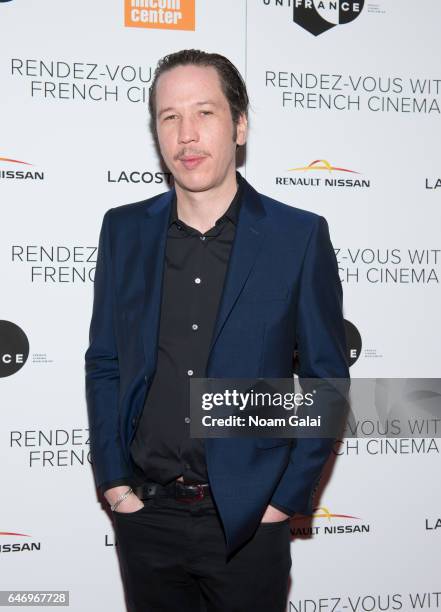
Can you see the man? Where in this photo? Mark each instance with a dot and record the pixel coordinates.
(209, 279)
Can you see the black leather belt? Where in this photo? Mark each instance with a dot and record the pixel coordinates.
(186, 493)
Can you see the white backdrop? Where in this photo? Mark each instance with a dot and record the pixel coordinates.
(361, 100)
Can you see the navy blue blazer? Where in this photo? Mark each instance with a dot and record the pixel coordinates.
(282, 291)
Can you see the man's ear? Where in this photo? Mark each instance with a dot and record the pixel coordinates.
(241, 130)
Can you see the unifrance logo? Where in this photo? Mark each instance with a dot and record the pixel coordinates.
(14, 348)
(318, 16)
(160, 14)
(353, 342)
(353, 346)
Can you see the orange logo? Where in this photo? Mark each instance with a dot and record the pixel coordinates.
(161, 14)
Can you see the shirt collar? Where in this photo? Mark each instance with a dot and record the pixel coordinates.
(232, 212)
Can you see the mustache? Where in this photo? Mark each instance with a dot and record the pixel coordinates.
(191, 153)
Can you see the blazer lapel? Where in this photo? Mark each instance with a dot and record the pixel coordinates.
(250, 232)
(153, 238)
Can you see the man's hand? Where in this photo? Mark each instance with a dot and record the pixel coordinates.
(272, 515)
(129, 504)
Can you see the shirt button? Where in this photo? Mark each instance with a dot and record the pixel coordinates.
(195, 326)
(202, 237)
(197, 280)
(190, 372)
(187, 419)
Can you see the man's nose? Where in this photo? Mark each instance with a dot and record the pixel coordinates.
(188, 131)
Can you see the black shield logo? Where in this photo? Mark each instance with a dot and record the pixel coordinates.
(318, 16)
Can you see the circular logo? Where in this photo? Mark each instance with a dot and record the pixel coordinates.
(14, 348)
(353, 346)
(318, 16)
(353, 342)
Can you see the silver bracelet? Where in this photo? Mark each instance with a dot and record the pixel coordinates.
(120, 499)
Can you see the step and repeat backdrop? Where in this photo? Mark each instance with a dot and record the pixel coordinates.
(344, 121)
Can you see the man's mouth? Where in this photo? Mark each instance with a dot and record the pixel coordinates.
(191, 161)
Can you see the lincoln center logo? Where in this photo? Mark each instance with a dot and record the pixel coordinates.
(318, 16)
(162, 14)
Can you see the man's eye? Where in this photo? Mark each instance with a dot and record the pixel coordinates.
(206, 112)
(169, 117)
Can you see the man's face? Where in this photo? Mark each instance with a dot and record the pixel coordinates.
(195, 128)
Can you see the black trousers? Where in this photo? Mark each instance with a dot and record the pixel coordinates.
(172, 559)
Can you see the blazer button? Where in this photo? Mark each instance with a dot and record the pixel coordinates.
(134, 421)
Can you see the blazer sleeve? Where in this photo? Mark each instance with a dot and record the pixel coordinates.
(321, 344)
(102, 371)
